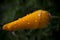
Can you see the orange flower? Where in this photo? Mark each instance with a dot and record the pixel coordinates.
(36, 20)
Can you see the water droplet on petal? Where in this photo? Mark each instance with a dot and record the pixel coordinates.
(35, 20)
(23, 20)
(28, 23)
(39, 15)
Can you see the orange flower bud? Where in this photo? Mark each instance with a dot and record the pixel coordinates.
(36, 20)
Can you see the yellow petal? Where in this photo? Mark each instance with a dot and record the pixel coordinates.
(35, 20)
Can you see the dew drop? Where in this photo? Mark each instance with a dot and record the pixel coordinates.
(23, 20)
(35, 20)
(28, 23)
(39, 15)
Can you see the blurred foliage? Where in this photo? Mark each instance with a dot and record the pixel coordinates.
(14, 9)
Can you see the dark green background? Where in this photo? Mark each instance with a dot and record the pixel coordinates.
(14, 9)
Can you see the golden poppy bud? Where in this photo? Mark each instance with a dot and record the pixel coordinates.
(35, 20)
